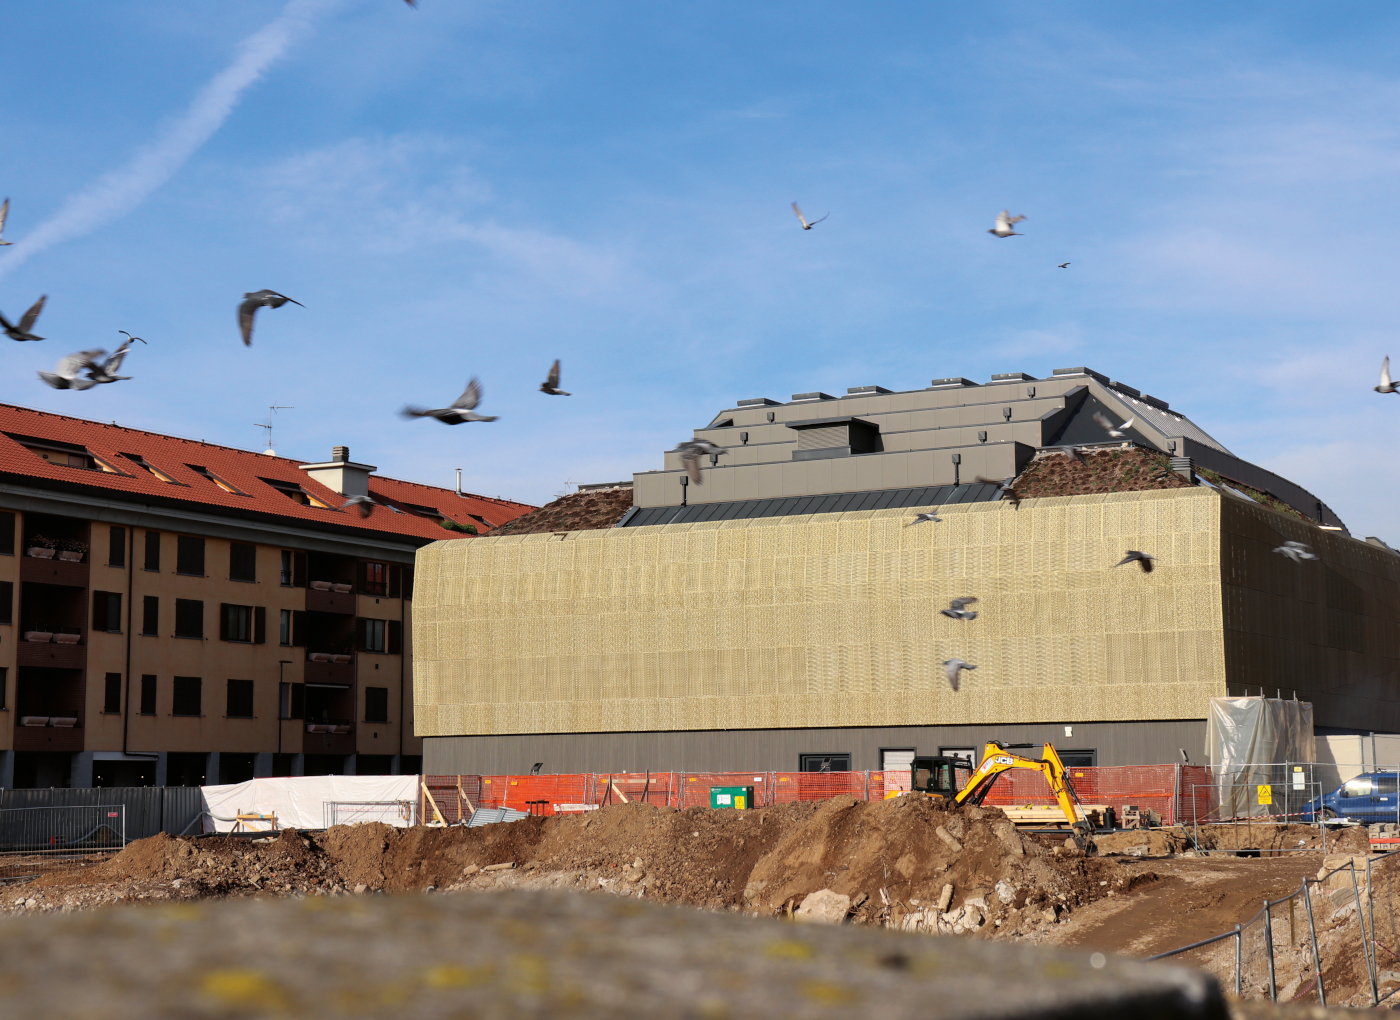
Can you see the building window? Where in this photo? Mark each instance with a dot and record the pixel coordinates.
(112, 694)
(7, 534)
(148, 694)
(1086, 758)
(372, 635)
(107, 611)
(259, 625)
(150, 615)
(189, 555)
(152, 550)
(242, 562)
(237, 623)
(189, 618)
(240, 699)
(7, 601)
(824, 763)
(291, 701)
(286, 572)
(284, 628)
(377, 704)
(116, 548)
(187, 696)
(374, 578)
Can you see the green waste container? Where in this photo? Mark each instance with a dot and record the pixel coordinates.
(739, 797)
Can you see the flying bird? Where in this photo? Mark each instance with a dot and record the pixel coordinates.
(692, 450)
(67, 374)
(1117, 432)
(26, 322)
(921, 518)
(1064, 265)
(1296, 551)
(551, 385)
(365, 504)
(1143, 560)
(1386, 385)
(4, 215)
(1004, 489)
(957, 610)
(953, 668)
(1004, 224)
(252, 302)
(106, 371)
(803, 219)
(462, 409)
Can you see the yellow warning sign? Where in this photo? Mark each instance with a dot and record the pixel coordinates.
(1266, 793)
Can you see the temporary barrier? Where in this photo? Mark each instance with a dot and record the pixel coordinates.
(147, 810)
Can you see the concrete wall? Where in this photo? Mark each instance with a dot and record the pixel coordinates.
(1132, 743)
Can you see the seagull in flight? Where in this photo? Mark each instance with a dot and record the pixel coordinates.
(1005, 222)
(462, 409)
(4, 215)
(692, 450)
(106, 371)
(953, 669)
(551, 384)
(803, 219)
(1143, 560)
(1064, 265)
(26, 322)
(252, 302)
(1117, 432)
(957, 610)
(1296, 551)
(921, 518)
(1386, 385)
(1004, 487)
(365, 504)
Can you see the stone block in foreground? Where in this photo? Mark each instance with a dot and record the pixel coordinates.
(539, 954)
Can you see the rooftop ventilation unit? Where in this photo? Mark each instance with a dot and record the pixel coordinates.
(1082, 371)
(1125, 388)
(1161, 405)
(817, 395)
(758, 402)
(821, 438)
(1013, 377)
(945, 384)
(852, 391)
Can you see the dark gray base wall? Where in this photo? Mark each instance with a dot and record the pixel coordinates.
(1120, 743)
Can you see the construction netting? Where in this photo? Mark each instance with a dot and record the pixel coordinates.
(1250, 742)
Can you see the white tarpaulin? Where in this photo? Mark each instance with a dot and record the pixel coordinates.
(1247, 739)
(312, 802)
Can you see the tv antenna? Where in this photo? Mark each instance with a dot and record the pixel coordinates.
(272, 409)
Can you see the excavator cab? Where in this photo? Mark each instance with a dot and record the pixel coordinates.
(939, 775)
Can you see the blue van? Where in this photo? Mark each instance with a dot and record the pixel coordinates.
(1370, 797)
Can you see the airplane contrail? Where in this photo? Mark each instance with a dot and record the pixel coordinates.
(119, 191)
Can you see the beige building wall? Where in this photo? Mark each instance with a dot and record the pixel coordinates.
(827, 620)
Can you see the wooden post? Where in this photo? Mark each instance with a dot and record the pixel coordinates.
(436, 813)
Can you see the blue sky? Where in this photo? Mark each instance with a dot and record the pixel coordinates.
(478, 188)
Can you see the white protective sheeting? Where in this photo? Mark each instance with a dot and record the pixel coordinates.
(313, 802)
(1247, 739)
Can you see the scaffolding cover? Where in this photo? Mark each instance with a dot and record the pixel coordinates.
(311, 802)
(1247, 739)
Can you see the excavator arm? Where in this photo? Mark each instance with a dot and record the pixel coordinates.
(996, 759)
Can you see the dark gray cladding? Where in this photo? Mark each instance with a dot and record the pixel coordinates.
(796, 506)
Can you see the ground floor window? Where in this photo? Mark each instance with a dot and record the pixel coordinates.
(824, 763)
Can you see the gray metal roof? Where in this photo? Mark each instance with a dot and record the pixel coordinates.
(795, 506)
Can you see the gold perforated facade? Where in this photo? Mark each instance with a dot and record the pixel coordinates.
(830, 620)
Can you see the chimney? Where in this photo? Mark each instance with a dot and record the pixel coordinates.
(341, 474)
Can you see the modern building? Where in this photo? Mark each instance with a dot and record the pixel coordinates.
(177, 612)
(783, 611)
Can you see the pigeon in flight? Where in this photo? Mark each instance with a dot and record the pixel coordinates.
(957, 610)
(106, 371)
(1143, 560)
(252, 302)
(921, 518)
(551, 384)
(803, 219)
(66, 376)
(1004, 224)
(365, 504)
(1117, 432)
(1296, 551)
(462, 409)
(1386, 385)
(692, 450)
(1004, 487)
(26, 322)
(953, 668)
(1064, 265)
(4, 215)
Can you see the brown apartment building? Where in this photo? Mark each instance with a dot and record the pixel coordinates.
(174, 612)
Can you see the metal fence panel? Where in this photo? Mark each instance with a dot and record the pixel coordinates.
(149, 809)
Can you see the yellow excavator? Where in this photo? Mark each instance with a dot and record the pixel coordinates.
(938, 776)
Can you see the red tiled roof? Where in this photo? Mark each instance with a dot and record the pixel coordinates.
(241, 469)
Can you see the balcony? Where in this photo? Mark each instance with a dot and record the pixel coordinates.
(53, 571)
(330, 597)
(40, 648)
(322, 737)
(322, 668)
